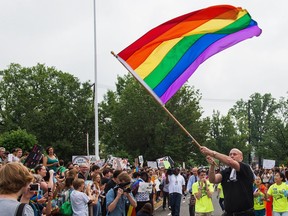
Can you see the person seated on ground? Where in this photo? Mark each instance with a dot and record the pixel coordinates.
(14, 183)
(146, 210)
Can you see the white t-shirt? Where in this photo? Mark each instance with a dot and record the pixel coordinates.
(12, 158)
(176, 183)
(79, 202)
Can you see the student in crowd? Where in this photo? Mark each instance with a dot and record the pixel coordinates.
(141, 197)
(2, 155)
(15, 156)
(51, 161)
(259, 197)
(165, 192)
(118, 197)
(14, 183)
(80, 200)
(203, 190)
(192, 179)
(220, 196)
(237, 180)
(84, 172)
(279, 192)
(176, 189)
(41, 175)
(98, 191)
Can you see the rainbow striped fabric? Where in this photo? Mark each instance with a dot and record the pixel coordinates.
(165, 57)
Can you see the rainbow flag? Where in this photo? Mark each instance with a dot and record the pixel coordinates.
(165, 57)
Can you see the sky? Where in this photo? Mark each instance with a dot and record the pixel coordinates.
(60, 33)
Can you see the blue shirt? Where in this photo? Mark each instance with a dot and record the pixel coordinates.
(191, 181)
(121, 204)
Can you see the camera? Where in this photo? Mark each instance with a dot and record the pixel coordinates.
(34, 187)
(127, 190)
(123, 186)
(49, 191)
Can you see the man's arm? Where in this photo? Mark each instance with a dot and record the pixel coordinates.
(213, 178)
(221, 157)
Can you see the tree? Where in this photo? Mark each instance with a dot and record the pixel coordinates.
(263, 123)
(131, 120)
(224, 135)
(51, 104)
(17, 139)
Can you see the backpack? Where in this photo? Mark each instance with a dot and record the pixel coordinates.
(66, 207)
(20, 209)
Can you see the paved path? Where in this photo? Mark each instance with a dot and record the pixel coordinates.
(185, 208)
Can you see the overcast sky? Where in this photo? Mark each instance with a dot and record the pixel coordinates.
(60, 33)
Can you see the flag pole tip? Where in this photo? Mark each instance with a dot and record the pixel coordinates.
(113, 54)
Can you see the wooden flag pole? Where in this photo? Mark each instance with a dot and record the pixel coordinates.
(194, 141)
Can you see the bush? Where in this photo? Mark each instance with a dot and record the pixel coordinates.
(17, 139)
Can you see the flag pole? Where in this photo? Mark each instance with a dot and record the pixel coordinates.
(194, 141)
(95, 87)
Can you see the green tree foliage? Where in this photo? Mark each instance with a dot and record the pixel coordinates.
(131, 121)
(51, 104)
(17, 138)
(265, 128)
(224, 135)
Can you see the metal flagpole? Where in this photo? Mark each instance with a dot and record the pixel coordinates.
(95, 86)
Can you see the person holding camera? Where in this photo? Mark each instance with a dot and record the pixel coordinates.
(176, 189)
(15, 180)
(119, 196)
(237, 180)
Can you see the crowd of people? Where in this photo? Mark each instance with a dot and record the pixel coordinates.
(53, 187)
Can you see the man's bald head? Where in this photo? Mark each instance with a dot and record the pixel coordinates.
(236, 154)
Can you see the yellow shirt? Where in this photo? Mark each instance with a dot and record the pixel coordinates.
(204, 204)
(221, 194)
(280, 202)
(259, 202)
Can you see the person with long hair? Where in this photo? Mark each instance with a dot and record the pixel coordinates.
(51, 161)
(279, 192)
(98, 191)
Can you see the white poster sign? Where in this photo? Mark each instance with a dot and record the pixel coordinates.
(268, 164)
(80, 159)
(152, 164)
(145, 187)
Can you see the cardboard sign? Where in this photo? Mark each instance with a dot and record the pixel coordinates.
(34, 156)
(80, 159)
(268, 164)
(145, 187)
(152, 164)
